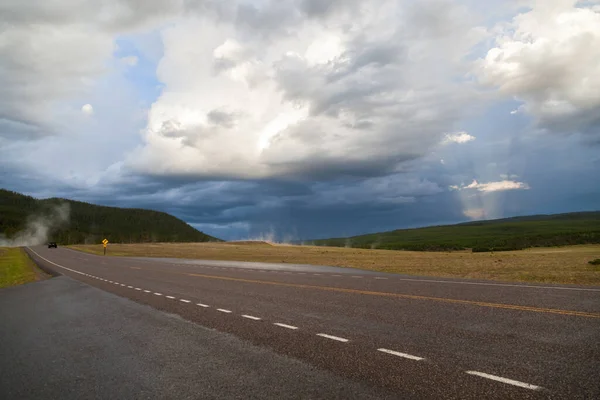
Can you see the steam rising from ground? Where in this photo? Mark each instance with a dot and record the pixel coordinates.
(38, 227)
(273, 238)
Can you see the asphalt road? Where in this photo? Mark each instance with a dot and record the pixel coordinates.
(63, 339)
(411, 337)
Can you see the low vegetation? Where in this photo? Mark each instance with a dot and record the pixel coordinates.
(16, 267)
(79, 222)
(485, 236)
(567, 265)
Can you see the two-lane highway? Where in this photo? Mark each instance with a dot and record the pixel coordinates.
(431, 338)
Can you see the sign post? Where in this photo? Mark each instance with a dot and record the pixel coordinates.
(104, 243)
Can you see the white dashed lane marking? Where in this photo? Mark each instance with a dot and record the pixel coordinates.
(339, 339)
(404, 355)
(331, 337)
(505, 380)
(285, 326)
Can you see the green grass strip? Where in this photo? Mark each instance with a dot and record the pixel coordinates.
(16, 268)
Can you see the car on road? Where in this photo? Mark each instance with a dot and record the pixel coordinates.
(52, 244)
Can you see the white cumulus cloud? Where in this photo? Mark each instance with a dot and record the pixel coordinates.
(474, 213)
(334, 92)
(458, 137)
(548, 57)
(54, 52)
(492, 186)
(87, 109)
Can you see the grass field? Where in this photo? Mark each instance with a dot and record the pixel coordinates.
(16, 267)
(548, 265)
(503, 234)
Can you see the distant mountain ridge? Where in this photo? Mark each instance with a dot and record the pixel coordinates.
(492, 235)
(24, 219)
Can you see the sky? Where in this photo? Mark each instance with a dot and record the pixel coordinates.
(303, 119)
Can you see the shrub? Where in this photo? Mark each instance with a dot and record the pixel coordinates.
(491, 249)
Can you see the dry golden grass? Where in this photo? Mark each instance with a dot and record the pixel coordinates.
(549, 265)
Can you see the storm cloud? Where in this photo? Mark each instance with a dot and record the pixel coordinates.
(301, 119)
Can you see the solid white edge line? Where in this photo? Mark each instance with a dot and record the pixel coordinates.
(224, 310)
(53, 263)
(505, 380)
(251, 317)
(184, 301)
(397, 353)
(202, 305)
(339, 339)
(285, 325)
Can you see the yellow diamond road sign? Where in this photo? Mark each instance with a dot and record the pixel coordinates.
(104, 241)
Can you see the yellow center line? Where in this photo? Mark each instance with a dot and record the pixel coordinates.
(407, 296)
(135, 267)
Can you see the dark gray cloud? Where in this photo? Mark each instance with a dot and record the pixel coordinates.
(326, 8)
(302, 119)
(116, 15)
(295, 210)
(222, 118)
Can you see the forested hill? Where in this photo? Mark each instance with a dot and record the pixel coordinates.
(25, 218)
(494, 235)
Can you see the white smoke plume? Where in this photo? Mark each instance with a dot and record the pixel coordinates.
(38, 227)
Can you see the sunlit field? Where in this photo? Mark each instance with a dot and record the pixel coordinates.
(568, 265)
